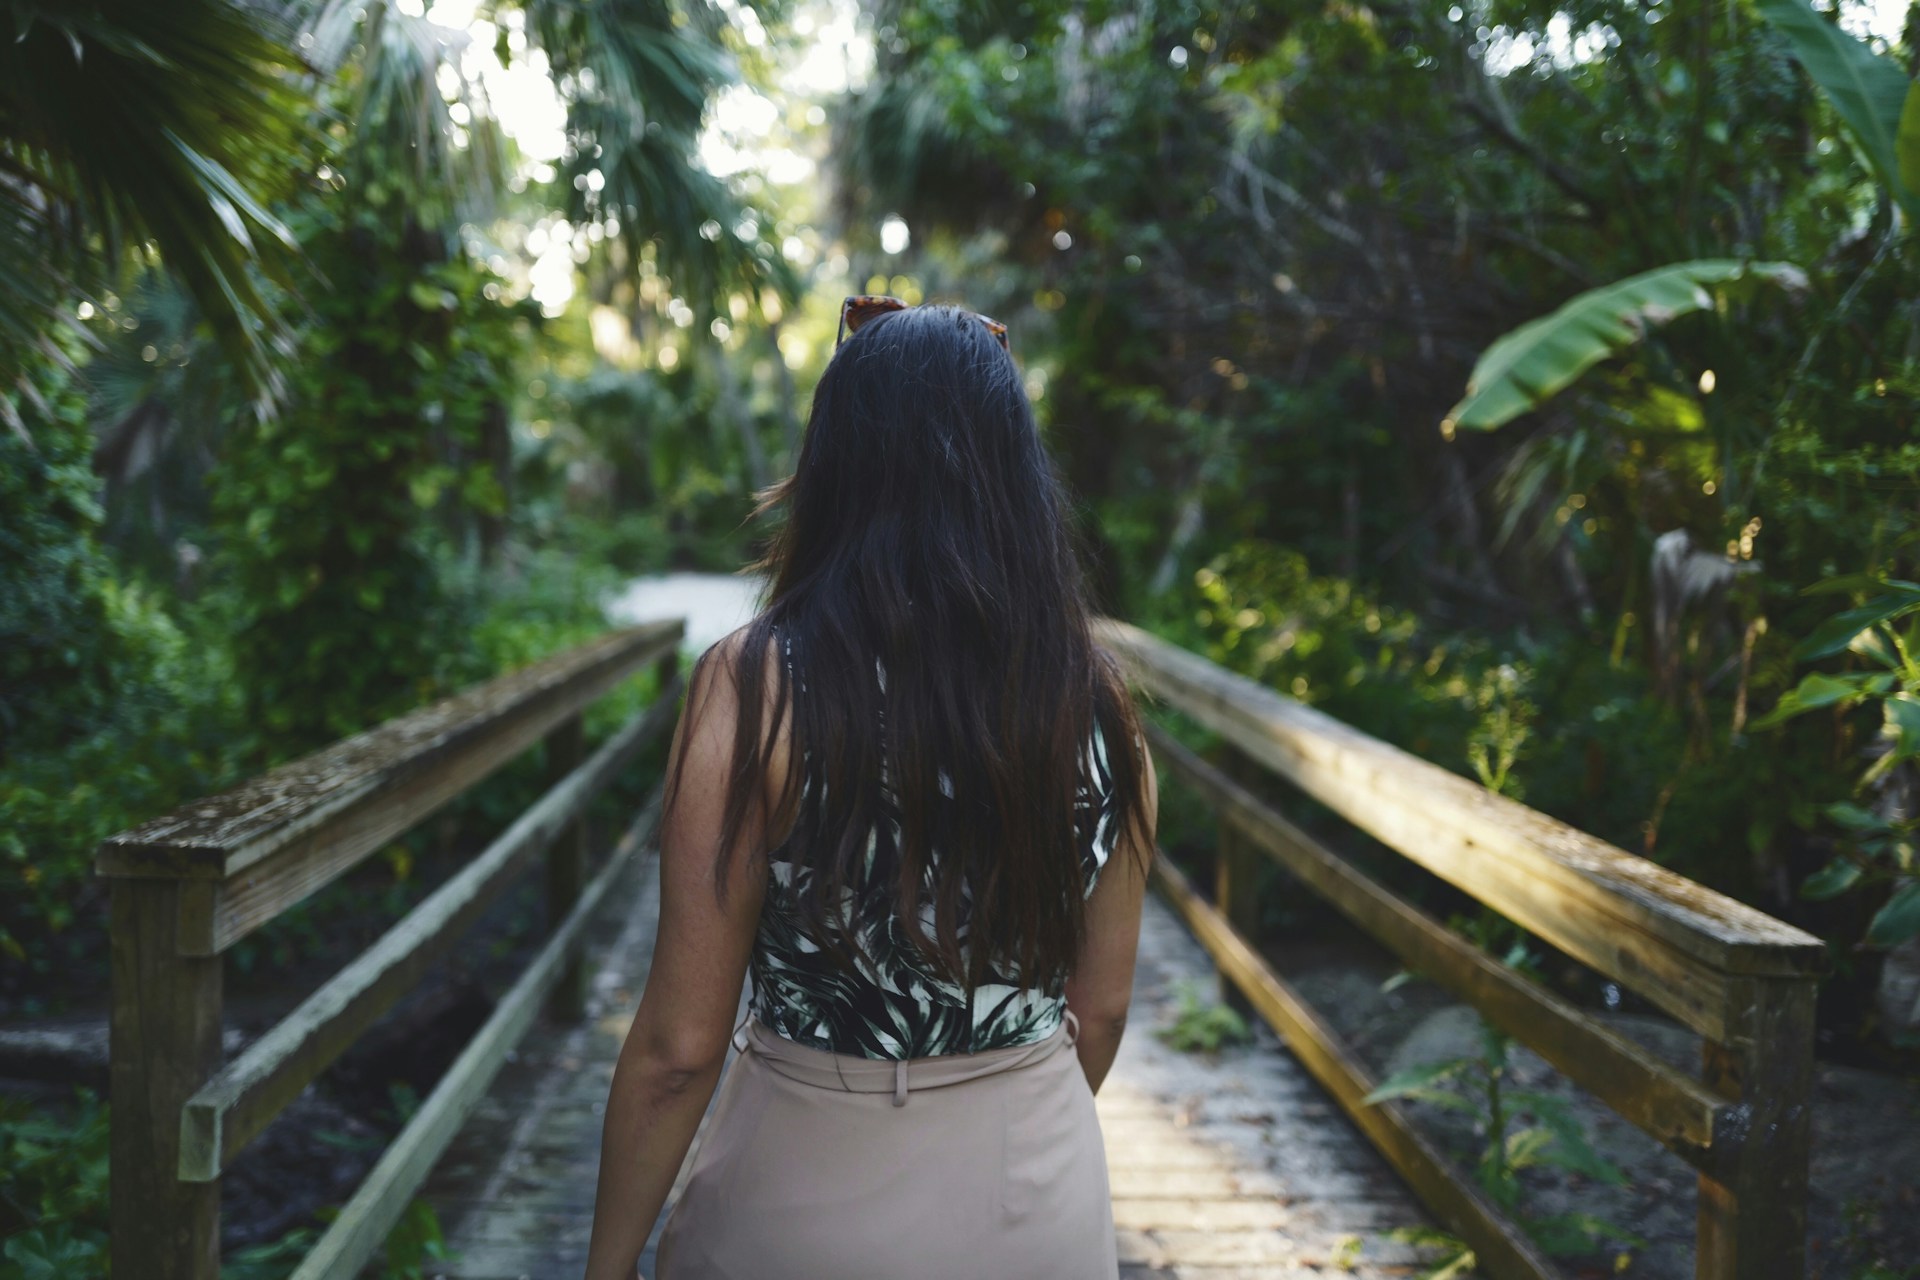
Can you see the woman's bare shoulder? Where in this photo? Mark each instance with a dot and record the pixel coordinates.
(725, 663)
(729, 654)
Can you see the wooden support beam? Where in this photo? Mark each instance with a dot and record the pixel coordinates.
(1673, 941)
(567, 868)
(666, 673)
(1503, 1251)
(1753, 1214)
(362, 1225)
(1682, 1113)
(233, 1107)
(164, 1039)
(1236, 867)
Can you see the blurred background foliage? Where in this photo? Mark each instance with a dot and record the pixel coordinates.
(1251, 255)
(352, 351)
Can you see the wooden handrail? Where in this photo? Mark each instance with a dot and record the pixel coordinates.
(188, 885)
(219, 836)
(352, 1239)
(231, 1109)
(1676, 942)
(243, 857)
(1744, 980)
(1661, 1100)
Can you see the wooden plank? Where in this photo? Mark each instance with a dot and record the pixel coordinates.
(1753, 1216)
(356, 792)
(1504, 1252)
(164, 1038)
(362, 1225)
(231, 1109)
(1682, 1113)
(1666, 937)
(1183, 1213)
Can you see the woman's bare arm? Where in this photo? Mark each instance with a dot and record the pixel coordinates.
(673, 1053)
(1101, 989)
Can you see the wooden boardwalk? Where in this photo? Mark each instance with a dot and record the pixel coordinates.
(1222, 1169)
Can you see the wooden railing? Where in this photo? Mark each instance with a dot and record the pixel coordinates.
(1742, 979)
(187, 886)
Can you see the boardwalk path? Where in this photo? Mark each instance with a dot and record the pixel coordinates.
(1222, 1169)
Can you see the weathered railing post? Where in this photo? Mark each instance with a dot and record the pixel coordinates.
(566, 747)
(164, 1042)
(1753, 1217)
(666, 671)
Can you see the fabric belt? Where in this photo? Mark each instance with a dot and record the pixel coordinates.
(852, 1074)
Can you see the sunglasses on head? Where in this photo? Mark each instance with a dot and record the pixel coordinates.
(862, 307)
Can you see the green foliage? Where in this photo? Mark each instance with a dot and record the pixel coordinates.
(1547, 718)
(1346, 1252)
(326, 219)
(1500, 937)
(330, 513)
(53, 1190)
(1252, 253)
(128, 125)
(1452, 1256)
(1203, 1026)
(53, 609)
(415, 1242)
(1522, 1129)
(677, 479)
(1871, 93)
(111, 709)
(638, 77)
(274, 1260)
(1525, 368)
(1880, 848)
(1265, 614)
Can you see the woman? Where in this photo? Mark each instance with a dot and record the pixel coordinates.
(912, 798)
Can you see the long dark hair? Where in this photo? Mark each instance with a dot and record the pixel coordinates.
(926, 609)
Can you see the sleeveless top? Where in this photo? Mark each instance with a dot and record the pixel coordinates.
(896, 1006)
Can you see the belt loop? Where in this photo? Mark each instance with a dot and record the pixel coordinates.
(899, 1082)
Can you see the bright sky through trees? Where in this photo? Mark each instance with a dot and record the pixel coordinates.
(746, 129)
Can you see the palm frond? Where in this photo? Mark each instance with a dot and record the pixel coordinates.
(899, 150)
(164, 130)
(638, 81)
(402, 122)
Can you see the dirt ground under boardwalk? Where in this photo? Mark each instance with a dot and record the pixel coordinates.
(1865, 1211)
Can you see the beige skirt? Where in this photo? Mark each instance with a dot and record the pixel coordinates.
(822, 1166)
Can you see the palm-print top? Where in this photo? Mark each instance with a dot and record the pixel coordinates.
(896, 1006)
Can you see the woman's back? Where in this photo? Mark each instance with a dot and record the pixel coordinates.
(910, 801)
(892, 1001)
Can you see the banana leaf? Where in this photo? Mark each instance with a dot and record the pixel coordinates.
(1871, 93)
(1525, 368)
(1899, 919)
(1906, 144)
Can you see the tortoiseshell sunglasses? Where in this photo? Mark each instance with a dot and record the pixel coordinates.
(862, 307)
